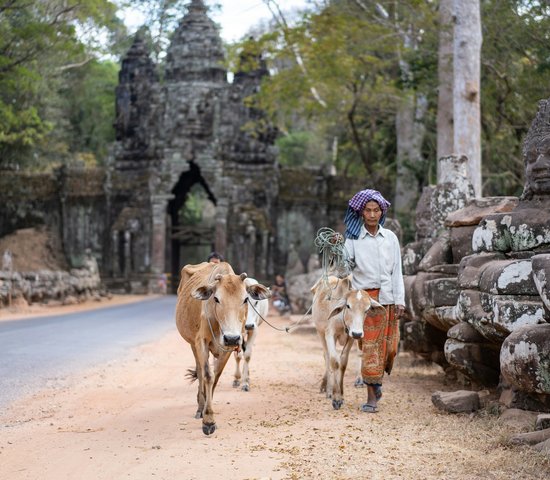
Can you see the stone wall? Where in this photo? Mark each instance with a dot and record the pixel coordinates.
(47, 286)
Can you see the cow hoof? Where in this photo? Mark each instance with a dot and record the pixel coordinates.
(245, 388)
(208, 428)
(236, 383)
(336, 404)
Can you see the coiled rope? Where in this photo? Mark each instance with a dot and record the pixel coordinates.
(334, 255)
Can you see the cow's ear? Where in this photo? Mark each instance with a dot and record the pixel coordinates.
(340, 305)
(258, 291)
(203, 293)
(375, 309)
(346, 282)
(243, 276)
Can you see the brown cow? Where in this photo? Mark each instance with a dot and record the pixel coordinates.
(210, 315)
(338, 313)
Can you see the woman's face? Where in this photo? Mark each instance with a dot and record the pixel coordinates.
(372, 213)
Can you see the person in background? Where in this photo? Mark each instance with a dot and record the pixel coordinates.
(279, 295)
(215, 257)
(376, 255)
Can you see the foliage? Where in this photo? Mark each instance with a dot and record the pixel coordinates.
(344, 67)
(515, 70)
(39, 43)
(302, 148)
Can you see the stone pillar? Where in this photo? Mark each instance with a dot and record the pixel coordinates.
(221, 227)
(127, 253)
(158, 237)
(265, 254)
(115, 254)
(251, 249)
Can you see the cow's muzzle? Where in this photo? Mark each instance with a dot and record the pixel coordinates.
(249, 327)
(231, 340)
(357, 335)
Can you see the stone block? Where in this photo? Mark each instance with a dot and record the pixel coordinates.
(525, 359)
(447, 316)
(543, 422)
(411, 255)
(470, 267)
(419, 300)
(541, 277)
(478, 361)
(508, 277)
(461, 242)
(439, 253)
(461, 401)
(442, 291)
(464, 332)
(479, 208)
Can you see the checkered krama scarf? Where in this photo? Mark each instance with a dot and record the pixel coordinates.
(354, 219)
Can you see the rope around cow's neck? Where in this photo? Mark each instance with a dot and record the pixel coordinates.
(285, 329)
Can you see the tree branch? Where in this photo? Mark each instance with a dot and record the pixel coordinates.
(282, 23)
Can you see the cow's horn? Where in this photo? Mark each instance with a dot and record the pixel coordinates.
(243, 276)
(218, 277)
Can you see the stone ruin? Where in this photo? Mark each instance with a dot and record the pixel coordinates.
(187, 131)
(477, 289)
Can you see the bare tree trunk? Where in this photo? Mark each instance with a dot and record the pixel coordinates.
(410, 130)
(445, 134)
(466, 92)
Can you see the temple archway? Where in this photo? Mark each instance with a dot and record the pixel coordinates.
(191, 227)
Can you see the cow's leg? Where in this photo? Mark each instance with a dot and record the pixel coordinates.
(200, 390)
(358, 361)
(237, 374)
(324, 380)
(338, 393)
(334, 364)
(219, 365)
(247, 355)
(208, 422)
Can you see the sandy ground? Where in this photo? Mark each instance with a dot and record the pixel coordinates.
(134, 418)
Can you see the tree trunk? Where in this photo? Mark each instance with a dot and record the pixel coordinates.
(445, 134)
(410, 130)
(466, 91)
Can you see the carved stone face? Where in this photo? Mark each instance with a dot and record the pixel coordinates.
(537, 167)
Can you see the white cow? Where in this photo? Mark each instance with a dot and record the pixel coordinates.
(257, 311)
(338, 313)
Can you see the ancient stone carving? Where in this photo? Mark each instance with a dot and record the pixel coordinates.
(504, 289)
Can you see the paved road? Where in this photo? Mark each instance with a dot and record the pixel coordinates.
(41, 351)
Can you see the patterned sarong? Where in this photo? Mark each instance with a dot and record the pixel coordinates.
(380, 342)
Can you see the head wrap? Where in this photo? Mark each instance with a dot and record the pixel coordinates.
(354, 218)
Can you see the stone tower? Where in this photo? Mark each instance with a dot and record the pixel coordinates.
(191, 130)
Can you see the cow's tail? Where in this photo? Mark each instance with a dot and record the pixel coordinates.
(191, 374)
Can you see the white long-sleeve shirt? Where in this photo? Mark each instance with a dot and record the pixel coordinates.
(378, 265)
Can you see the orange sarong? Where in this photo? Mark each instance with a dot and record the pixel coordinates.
(380, 342)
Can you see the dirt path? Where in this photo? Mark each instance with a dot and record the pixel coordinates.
(134, 418)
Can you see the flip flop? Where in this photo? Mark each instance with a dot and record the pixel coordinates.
(367, 408)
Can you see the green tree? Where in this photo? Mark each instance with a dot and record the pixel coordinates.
(514, 69)
(39, 43)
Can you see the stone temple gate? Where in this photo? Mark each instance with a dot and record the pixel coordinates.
(185, 136)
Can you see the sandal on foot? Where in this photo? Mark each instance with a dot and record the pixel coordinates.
(367, 408)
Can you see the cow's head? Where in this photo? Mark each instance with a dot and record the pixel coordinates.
(227, 296)
(355, 305)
